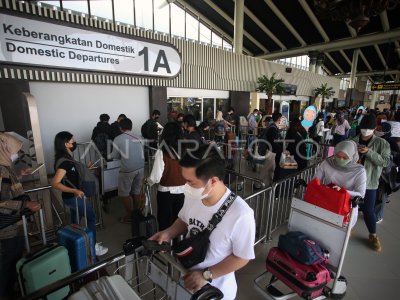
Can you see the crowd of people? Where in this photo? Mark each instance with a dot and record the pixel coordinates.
(190, 177)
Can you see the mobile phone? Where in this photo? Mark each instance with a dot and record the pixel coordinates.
(37, 168)
(361, 146)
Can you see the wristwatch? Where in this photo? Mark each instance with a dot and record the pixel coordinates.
(207, 274)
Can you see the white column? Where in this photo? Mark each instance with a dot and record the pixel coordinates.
(313, 61)
(238, 27)
(353, 69)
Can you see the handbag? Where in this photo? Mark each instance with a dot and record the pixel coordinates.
(193, 250)
(302, 248)
(326, 197)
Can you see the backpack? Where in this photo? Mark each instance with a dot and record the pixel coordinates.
(101, 142)
(88, 182)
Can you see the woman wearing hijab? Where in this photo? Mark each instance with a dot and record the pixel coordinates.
(11, 241)
(341, 128)
(342, 170)
(64, 145)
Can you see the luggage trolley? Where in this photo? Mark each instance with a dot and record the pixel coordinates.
(331, 230)
(136, 273)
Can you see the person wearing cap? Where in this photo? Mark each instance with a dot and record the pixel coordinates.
(374, 154)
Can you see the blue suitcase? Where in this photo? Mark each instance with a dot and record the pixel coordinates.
(80, 244)
(39, 269)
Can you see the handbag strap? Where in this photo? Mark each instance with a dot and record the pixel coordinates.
(217, 217)
(321, 258)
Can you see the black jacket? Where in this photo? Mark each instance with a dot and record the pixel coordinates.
(102, 127)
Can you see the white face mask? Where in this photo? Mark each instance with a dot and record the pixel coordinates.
(195, 193)
(367, 132)
(14, 157)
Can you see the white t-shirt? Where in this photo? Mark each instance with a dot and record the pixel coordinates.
(235, 234)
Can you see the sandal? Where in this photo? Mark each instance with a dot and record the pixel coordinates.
(125, 220)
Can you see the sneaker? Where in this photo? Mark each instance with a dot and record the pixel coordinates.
(376, 244)
(100, 250)
(379, 221)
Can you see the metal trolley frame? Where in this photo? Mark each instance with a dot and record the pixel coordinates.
(331, 230)
(155, 276)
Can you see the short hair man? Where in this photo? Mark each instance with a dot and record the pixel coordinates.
(232, 242)
(150, 130)
(115, 127)
(129, 149)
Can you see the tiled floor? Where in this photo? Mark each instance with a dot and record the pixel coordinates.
(370, 275)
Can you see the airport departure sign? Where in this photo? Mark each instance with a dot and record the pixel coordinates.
(385, 86)
(27, 41)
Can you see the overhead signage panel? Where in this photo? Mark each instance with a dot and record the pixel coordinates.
(385, 86)
(33, 42)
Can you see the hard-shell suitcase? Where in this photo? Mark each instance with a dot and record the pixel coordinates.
(107, 287)
(144, 224)
(39, 269)
(308, 281)
(79, 242)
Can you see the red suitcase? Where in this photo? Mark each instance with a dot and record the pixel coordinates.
(307, 281)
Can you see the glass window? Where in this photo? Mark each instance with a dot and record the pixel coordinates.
(208, 109)
(144, 13)
(185, 105)
(161, 16)
(192, 27)
(205, 34)
(102, 9)
(123, 10)
(54, 4)
(216, 39)
(78, 6)
(178, 24)
(227, 46)
(221, 104)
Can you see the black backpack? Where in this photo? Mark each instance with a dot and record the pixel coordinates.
(100, 141)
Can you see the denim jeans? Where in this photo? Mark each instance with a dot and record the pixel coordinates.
(10, 253)
(368, 209)
(90, 215)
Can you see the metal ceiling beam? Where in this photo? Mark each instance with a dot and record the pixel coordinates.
(283, 19)
(230, 20)
(264, 28)
(371, 73)
(345, 57)
(349, 43)
(386, 27)
(216, 28)
(334, 62)
(314, 19)
(381, 56)
(353, 33)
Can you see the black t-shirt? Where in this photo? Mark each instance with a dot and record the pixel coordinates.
(72, 176)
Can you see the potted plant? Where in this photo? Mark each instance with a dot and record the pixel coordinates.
(325, 92)
(270, 86)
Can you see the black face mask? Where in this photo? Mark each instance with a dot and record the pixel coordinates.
(74, 145)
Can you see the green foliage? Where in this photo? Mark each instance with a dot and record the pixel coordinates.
(271, 85)
(325, 92)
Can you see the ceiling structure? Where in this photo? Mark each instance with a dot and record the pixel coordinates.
(276, 29)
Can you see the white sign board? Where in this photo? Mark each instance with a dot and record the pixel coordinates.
(381, 98)
(34, 42)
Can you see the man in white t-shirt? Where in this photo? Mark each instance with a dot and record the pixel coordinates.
(232, 241)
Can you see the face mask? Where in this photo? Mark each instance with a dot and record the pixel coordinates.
(195, 193)
(14, 157)
(74, 145)
(342, 162)
(367, 132)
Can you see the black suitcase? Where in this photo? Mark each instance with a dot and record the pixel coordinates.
(144, 224)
